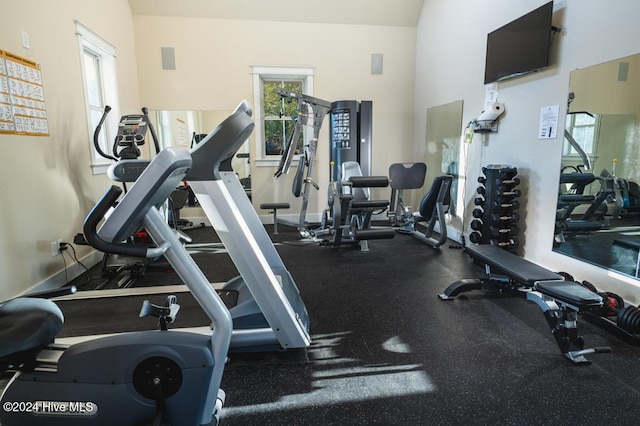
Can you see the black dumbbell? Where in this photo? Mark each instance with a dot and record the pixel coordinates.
(511, 231)
(476, 225)
(475, 237)
(512, 217)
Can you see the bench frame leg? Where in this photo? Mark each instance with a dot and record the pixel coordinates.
(563, 321)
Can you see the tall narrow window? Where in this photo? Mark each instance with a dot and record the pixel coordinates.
(98, 61)
(274, 116)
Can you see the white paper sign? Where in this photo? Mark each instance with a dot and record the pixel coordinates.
(548, 122)
(490, 95)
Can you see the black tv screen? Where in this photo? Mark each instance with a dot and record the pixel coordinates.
(520, 47)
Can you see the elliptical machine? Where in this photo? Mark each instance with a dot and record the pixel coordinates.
(127, 167)
(129, 378)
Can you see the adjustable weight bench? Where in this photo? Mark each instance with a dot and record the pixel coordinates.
(561, 301)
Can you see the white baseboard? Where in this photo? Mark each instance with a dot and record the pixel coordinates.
(73, 271)
(267, 219)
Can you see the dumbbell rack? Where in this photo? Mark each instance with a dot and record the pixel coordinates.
(495, 214)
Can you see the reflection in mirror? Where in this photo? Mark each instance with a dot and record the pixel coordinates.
(444, 124)
(598, 211)
(187, 128)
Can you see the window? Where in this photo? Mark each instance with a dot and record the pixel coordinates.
(583, 127)
(98, 62)
(274, 116)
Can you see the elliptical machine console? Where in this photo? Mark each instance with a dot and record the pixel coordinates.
(132, 131)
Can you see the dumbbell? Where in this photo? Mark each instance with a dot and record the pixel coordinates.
(508, 243)
(513, 204)
(513, 181)
(513, 217)
(513, 193)
(496, 232)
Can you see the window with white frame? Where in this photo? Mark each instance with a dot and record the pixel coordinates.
(584, 129)
(274, 116)
(98, 63)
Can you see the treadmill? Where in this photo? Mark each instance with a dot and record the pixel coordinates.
(265, 304)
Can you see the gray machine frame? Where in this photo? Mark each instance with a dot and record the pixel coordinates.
(311, 112)
(266, 289)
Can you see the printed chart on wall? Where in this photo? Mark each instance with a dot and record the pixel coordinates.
(22, 107)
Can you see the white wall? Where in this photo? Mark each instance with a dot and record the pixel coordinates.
(47, 185)
(214, 59)
(450, 53)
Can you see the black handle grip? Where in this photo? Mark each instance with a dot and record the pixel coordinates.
(91, 225)
(154, 136)
(96, 134)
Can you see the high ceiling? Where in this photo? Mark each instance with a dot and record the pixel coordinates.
(404, 13)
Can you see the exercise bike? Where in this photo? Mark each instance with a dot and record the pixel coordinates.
(149, 377)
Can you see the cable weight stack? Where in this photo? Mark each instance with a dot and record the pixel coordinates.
(495, 214)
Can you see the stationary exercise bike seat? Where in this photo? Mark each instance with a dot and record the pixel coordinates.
(28, 323)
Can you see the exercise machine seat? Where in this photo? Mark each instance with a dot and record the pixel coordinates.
(352, 169)
(570, 292)
(407, 176)
(428, 203)
(519, 269)
(28, 323)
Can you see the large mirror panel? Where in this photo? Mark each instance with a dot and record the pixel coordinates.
(598, 210)
(184, 128)
(444, 124)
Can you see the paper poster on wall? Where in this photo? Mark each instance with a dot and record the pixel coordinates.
(548, 122)
(22, 107)
(182, 134)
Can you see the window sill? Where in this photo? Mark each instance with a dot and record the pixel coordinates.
(100, 168)
(275, 162)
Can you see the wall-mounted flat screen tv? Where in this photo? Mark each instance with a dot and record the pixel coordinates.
(520, 47)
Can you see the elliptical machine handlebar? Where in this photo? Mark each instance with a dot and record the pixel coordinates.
(96, 134)
(154, 136)
(146, 123)
(91, 224)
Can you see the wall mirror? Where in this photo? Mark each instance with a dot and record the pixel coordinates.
(598, 209)
(444, 124)
(177, 128)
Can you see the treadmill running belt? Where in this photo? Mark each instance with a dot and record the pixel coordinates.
(120, 314)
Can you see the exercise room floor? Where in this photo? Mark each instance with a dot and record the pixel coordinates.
(386, 350)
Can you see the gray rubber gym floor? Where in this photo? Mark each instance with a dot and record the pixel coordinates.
(387, 351)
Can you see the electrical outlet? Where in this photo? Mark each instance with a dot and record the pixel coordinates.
(55, 247)
(25, 39)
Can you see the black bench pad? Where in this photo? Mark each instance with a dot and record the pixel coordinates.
(369, 181)
(517, 268)
(274, 206)
(570, 292)
(369, 204)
